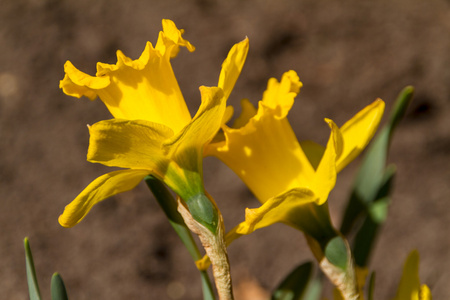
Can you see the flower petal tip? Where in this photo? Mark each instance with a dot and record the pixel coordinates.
(171, 32)
(77, 83)
(62, 220)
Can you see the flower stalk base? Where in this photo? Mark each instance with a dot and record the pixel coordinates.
(215, 248)
(341, 272)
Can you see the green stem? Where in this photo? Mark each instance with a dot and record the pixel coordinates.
(169, 206)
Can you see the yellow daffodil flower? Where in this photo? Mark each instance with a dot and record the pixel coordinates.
(410, 288)
(152, 131)
(286, 176)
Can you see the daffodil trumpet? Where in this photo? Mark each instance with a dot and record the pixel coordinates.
(261, 142)
(152, 132)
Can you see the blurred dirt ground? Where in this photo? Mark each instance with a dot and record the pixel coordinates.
(347, 53)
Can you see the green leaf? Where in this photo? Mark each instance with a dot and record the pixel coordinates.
(336, 253)
(169, 206)
(295, 284)
(376, 214)
(369, 201)
(33, 286)
(400, 106)
(354, 210)
(357, 207)
(58, 288)
(367, 233)
(378, 211)
(207, 289)
(364, 240)
(372, 175)
(314, 289)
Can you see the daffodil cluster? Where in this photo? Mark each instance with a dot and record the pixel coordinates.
(153, 133)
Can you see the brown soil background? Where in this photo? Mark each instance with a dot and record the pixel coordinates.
(346, 53)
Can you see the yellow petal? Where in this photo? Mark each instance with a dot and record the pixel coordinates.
(275, 210)
(425, 293)
(77, 83)
(279, 96)
(129, 144)
(266, 155)
(144, 89)
(265, 152)
(324, 178)
(101, 188)
(203, 126)
(232, 235)
(203, 263)
(229, 111)
(185, 149)
(361, 275)
(139, 144)
(170, 39)
(337, 295)
(232, 66)
(358, 131)
(409, 286)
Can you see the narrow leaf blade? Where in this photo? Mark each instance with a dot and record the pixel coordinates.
(371, 176)
(314, 289)
(58, 289)
(33, 286)
(295, 284)
(207, 289)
